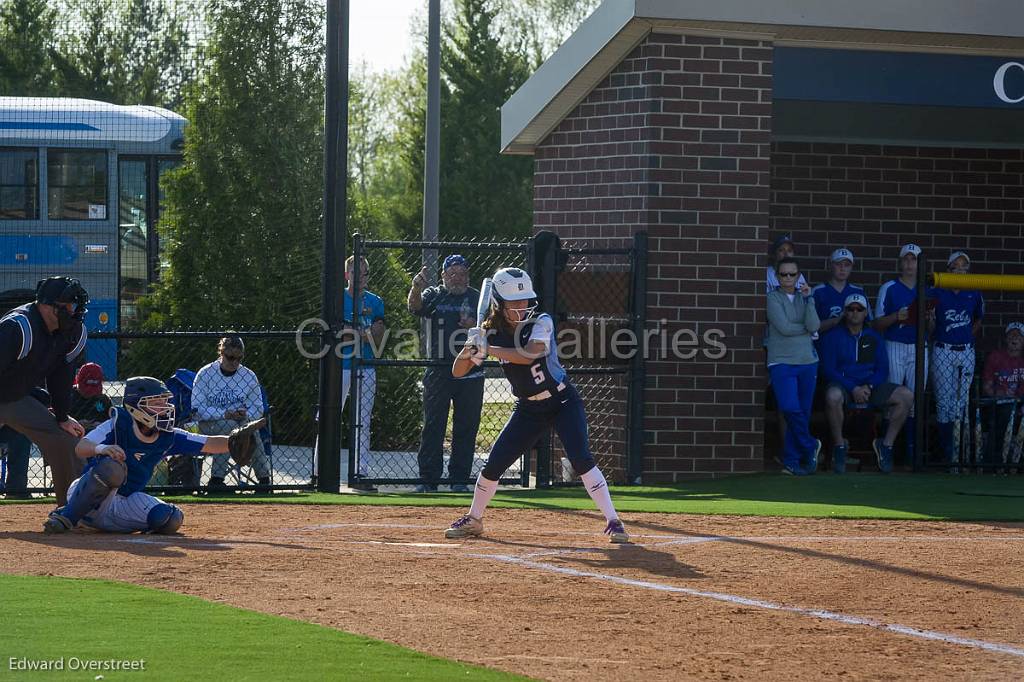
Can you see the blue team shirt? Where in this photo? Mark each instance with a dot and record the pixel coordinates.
(955, 313)
(141, 458)
(372, 310)
(894, 295)
(853, 361)
(829, 302)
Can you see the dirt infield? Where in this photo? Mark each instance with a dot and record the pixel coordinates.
(543, 594)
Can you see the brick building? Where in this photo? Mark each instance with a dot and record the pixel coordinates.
(715, 126)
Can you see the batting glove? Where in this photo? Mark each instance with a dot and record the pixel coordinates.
(477, 339)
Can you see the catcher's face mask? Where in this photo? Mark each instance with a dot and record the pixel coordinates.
(154, 412)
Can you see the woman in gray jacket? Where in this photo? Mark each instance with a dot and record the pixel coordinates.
(793, 365)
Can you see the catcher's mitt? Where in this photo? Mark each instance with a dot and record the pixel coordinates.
(242, 441)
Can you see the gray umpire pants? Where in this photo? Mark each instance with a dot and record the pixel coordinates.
(30, 418)
(219, 463)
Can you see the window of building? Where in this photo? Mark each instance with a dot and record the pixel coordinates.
(19, 184)
(76, 184)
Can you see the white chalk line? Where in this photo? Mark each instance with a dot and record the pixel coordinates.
(767, 605)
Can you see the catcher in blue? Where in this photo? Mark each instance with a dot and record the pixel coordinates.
(108, 496)
(524, 344)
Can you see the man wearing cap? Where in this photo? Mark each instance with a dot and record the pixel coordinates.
(957, 318)
(1003, 377)
(449, 309)
(855, 368)
(894, 319)
(830, 296)
(39, 343)
(88, 404)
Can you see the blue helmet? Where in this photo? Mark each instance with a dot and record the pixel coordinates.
(148, 401)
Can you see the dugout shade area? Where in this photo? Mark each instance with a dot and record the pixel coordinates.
(713, 127)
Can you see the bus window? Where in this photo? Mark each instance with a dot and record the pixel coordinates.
(76, 185)
(133, 229)
(19, 184)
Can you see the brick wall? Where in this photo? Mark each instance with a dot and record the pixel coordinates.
(675, 142)
(872, 199)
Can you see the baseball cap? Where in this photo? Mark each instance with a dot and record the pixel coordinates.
(455, 259)
(89, 380)
(957, 254)
(779, 241)
(1019, 326)
(842, 254)
(910, 248)
(855, 298)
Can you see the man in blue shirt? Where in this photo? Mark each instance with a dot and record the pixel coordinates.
(893, 317)
(830, 296)
(449, 310)
(364, 334)
(855, 368)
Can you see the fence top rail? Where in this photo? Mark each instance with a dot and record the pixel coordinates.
(597, 252)
(466, 246)
(186, 334)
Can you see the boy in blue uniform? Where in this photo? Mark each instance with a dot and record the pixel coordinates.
(894, 319)
(830, 297)
(525, 346)
(957, 318)
(855, 368)
(108, 496)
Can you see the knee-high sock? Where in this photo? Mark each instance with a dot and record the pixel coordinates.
(597, 488)
(482, 494)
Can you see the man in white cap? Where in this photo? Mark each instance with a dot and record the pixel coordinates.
(895, 319)
(830, 296)
(855, 368)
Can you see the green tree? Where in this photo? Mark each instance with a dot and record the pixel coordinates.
(134, 52)
(27, 37)
(242, 217)
(483, 193)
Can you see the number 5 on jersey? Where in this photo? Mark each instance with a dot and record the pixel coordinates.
(538, 374)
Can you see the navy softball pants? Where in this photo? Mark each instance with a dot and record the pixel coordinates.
(530, 420)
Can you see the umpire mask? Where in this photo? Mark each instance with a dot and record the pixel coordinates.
(69, 299)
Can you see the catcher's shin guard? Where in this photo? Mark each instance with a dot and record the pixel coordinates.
(164, 519)
(104, 477)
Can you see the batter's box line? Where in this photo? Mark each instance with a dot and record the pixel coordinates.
(765, 605)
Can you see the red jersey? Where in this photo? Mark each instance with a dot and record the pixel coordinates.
(1006, 373)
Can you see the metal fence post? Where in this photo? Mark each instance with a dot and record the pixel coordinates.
(335, 212)
(355, 363)
(920, 404)
(637, 364)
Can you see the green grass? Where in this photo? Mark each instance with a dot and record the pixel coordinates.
(854, 496)
(185, 638)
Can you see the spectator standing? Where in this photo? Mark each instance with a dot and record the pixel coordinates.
(225, 395)
(1003, 377)
(448, 309)
(88, 404)
(793, 365)
(894, 319)
(957, 318)
(855, 367)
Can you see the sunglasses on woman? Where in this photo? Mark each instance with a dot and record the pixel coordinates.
(788, 274)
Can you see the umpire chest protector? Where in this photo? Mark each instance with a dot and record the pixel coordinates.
(543, 374)
(35, 351)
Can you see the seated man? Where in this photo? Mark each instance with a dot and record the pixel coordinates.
(1003, 377)
(109, 495)
(855, 369)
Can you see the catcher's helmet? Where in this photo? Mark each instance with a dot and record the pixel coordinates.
(60, 289)
(148, 401)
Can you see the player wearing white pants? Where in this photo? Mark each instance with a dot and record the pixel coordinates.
(957, 317)
(120, 514)
(903, 364)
